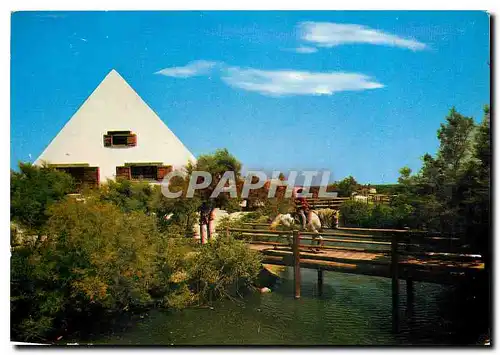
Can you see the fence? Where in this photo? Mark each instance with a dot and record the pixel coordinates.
(396, 254)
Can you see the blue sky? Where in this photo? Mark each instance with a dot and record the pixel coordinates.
(358, 93)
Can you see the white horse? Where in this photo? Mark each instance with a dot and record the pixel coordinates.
(313, 225)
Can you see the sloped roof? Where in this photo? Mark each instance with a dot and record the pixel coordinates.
(115, 106)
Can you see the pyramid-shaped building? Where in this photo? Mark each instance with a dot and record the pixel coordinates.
(115, 133)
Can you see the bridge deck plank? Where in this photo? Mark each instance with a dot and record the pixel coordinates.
(430, 270)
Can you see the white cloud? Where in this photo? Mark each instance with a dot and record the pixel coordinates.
(194, 68)
(287, 82)
(327, 34)
(305, 50)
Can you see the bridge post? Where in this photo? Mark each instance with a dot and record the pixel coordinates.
(320, 282)
(395, 282)
(410, 295)
(296, 262)
(410, 289)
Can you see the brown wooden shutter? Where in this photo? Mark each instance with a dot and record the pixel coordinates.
(123, 172)
(107, 140)
(91, 177)
(132, 140)
(163, 171)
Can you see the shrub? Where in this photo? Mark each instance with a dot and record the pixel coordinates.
(95, 257)
(382, 216)
(360, 214)
(223, 267)
(127, 195)
(183, 210)
(32, 190)
(355, 214)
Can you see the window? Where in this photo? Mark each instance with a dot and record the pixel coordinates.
(143, 171)
(83, 174)
(120, 139)
(147, 172)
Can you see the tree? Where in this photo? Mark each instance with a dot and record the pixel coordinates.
(451, 190)
(477, 187)
(347, 186)
(404, 175)
(455, 138)
(451, 193)
(216, 164)
(32, 190)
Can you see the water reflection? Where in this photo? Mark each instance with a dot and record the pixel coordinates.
(353, 310)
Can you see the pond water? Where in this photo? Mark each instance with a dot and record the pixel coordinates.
(354, 310)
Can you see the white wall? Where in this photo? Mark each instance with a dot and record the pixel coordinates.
(115, 106)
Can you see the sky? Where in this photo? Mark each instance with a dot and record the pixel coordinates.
(357, 93)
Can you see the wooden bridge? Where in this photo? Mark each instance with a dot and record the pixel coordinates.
(396, 254)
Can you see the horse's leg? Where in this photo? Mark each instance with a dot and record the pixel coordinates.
(318, 242)
(319, 239)
(313, 240)
(321, 242)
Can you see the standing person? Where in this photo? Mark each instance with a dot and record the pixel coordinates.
(204, 221)
(302, 208)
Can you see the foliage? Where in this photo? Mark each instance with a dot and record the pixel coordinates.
(361, 214)
(445, 194)
(95, 257)
(274, 206)
(32, 190)
(182, 209)
(216, 164)
(347, 186)
(223, 267)
(451, 191)
(106, 253)
(355, 213)
(127, 195)
(143, 197)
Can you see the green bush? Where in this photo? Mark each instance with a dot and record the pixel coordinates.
(127, 195)
(95, 256)
(109, 252)
(141, 196)
(361, 214)
(32, 190)
(223, 267)
(355, 214)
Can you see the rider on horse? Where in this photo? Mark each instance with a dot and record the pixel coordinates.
(302, 208)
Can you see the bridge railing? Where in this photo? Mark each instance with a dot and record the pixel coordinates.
(419, 249)
(397, 254)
